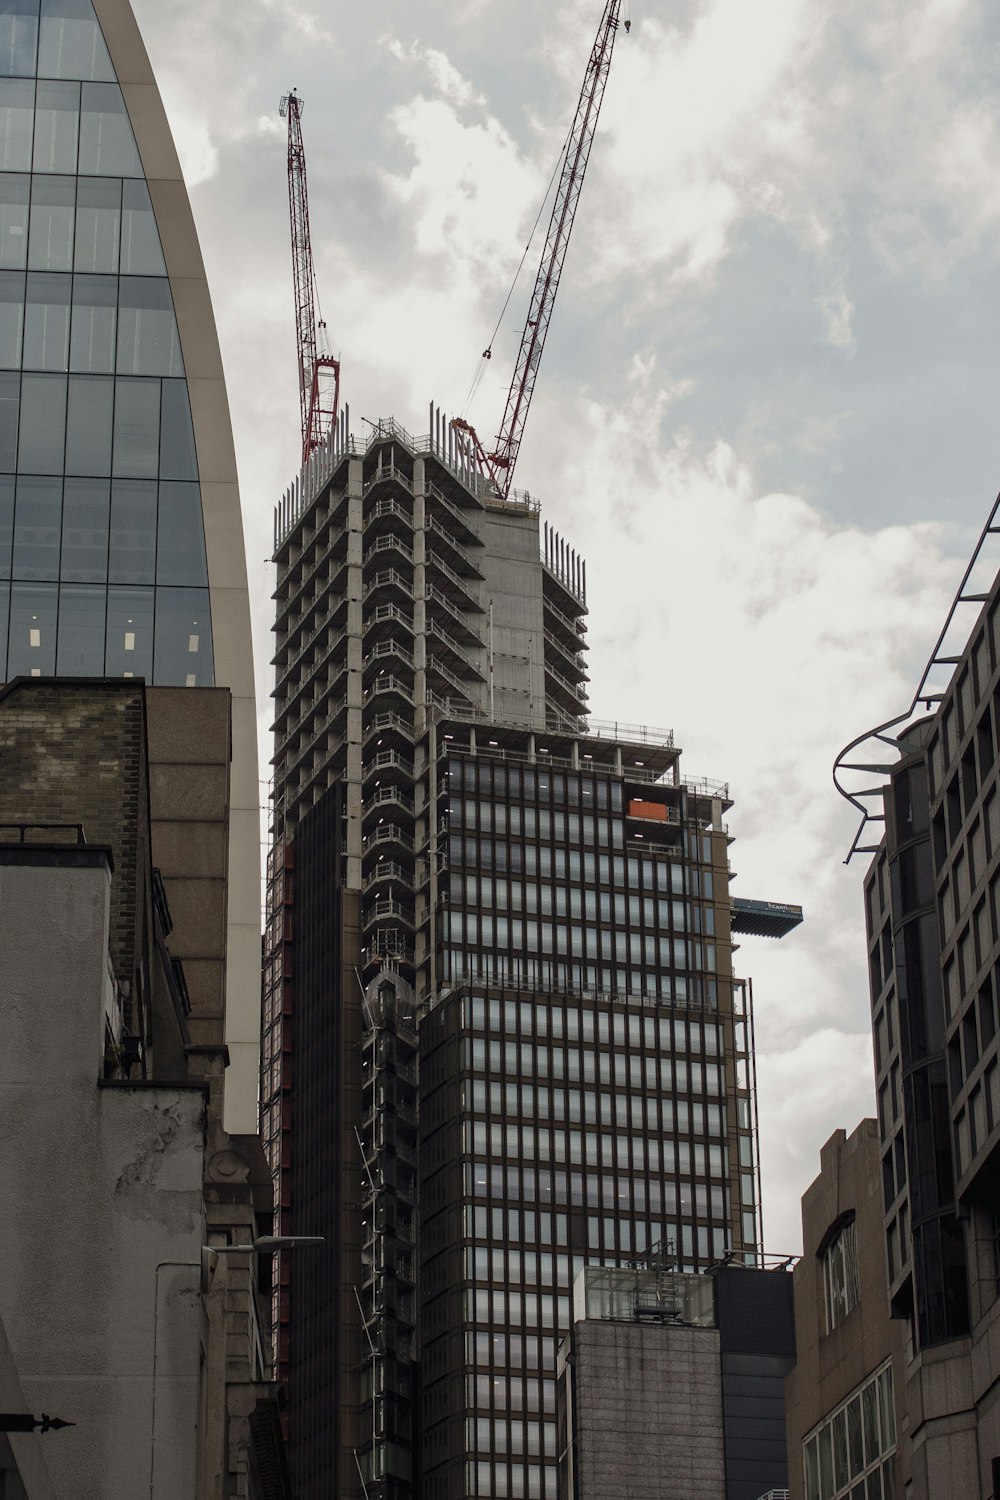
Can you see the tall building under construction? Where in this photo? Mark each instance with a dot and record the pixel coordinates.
(502, 1035)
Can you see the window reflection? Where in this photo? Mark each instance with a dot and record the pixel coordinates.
(37, 524)
(86, 506)
(18, 38)
(178, 459)
(141, 253)
(17, 115)
(81, 631)
(132, 558)
(57, 126)
(10, 391)
(98, 223)
(6, 529)
(14, 220)
(88, 425)
(43, 424)
(11, 318)
(32, 647)
(137, 428)
(183, 637)
(180, 542)
(46, 322)
(107, 146)
(147, 330)
(50, 235)
(70, 42)
(129, 648)
(95, 301)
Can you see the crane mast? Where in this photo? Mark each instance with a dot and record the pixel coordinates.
(499, 464)
(319, 372)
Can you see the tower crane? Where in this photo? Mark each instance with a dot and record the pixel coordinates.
(319, 372)
(498, 464)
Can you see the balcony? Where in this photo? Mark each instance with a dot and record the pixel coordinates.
(388, 581)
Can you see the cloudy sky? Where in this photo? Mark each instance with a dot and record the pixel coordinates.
(767, 413)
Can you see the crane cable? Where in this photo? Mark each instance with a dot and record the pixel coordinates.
(487, 353)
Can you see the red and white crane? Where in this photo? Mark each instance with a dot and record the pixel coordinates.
(499, 464)
(319, 372)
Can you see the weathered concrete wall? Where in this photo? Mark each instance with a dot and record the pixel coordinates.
(514, 584)
(100, 1294)
(648, 1412)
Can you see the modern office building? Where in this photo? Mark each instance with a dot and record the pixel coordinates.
(502, 1034)
(121, 544)
(932, 899)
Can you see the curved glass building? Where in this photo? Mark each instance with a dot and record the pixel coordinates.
(121, 542)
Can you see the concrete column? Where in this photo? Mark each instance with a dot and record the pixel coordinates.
(355, 668)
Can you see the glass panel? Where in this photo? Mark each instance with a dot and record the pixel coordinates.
(4, 617)
(95, 302)
(840, 1471)
(132, 557)
(10, 391)
(57, 127)
(129, 650)
(183, 638)
(854, 1443)
(11, 318)
(147, 330)
(32, 651)
(43, 424)
(141, 253)
(85, 533)
(825, 1464)
(46, 322)
(50, 237)
(14, 220)
(37, 522)
(82, 609)
(137, 428)
(18, 40)
(88, 425)
(17, 116)
(6, 529)
(180, 544)
(178, 459)
(888, 1412)
(98, 223)
(71, 44)
(107, 147)
(869, 1410)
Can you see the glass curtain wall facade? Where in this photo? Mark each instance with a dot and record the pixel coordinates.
(102, 551)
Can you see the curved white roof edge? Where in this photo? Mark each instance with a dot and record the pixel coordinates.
(227, 573)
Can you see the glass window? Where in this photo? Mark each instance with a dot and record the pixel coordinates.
(46, 322)
(107, 146)
(137, 429)
(11, 318)
(95, 310)
(37, 522)
(840, 1270)
(86, 505)
(50, 235)
(43, 424)
(178, 459)
(88, 425)
(129, 650)
(141, 253)
(14, 192)
(71, 44)
(180, 547)
(147, 330)
(82, 610)
(18, 38)
(17, 116)
(132, 554)
(6, 532)
(32, 648)
(57, 127)
(10, 396)
(98, 223)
